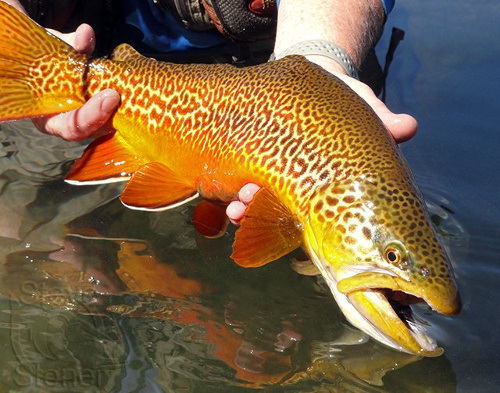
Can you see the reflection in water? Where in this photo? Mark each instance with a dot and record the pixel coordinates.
(96, 297)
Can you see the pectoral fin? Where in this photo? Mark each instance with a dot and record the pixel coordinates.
(210, 219)
(268, 231)
(105, 160)
(156, 187)
(305, 267)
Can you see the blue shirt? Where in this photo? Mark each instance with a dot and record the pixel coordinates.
(388, 6)
(148, 28)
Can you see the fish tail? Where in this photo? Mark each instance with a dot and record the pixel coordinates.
(39, 73)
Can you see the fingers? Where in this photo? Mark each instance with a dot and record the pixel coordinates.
(83, 39)
(401, 126)
(247, 192)
(84, 121)
(236, 209)
(95, 113)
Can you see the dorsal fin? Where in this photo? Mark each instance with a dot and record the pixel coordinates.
(125, 53)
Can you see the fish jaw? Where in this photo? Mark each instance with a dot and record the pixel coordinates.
(391, 329)
(445, 300)
(371, 311)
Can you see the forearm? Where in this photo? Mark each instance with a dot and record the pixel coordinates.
(354, 25)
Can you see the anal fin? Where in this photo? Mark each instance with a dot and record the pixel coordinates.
(156, 187)
(267, 232)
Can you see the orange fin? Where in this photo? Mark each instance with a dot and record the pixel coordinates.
(125, 53)
(156, 187)
(268, 231)
(105, 160)
(305, 267)
(210, 219)
(39, 73)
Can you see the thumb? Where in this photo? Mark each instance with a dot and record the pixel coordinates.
(401, 126)
(83, 39)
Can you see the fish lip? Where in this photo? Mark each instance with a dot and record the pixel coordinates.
(446, 302)
(416, 326)
(395, 322)
(394, 297)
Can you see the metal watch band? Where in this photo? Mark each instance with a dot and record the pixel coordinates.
(321, 48)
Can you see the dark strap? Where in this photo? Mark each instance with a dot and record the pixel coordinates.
(243, 20)
(190, 13)
(238, 20)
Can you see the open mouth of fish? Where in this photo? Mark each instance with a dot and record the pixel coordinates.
(387, 316)
(379, 304)
(401, 304)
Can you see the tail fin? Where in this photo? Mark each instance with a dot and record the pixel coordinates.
(39, 73)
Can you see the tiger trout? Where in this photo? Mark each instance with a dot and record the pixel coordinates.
(332, 179)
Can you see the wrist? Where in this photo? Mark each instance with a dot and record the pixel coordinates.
(353, 25)
(329, 65)
(326, 54)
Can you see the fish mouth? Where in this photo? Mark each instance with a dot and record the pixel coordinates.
(401, 304)
(378, 302)
(391, 322)
(381, 306)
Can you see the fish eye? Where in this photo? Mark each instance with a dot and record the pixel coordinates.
(395, 253)
(392, 255)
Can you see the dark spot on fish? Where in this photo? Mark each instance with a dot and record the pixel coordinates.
(348, 199)
(367, 232)
(350, 240)
(331, 201)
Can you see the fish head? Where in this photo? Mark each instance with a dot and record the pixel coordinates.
(376, 248)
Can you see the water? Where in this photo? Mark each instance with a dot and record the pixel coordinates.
(98, 298)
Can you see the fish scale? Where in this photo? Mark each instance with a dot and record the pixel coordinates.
(272, 148)
(332, 179)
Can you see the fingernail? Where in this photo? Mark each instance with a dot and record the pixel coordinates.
(108, 103)
(235, 211)
(247, 192)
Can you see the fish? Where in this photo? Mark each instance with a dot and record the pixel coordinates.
(333, 181)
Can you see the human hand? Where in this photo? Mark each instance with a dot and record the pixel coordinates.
(401, 126)
(90, 119)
